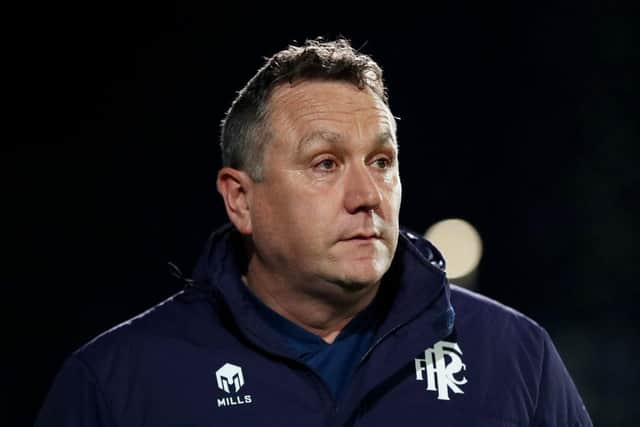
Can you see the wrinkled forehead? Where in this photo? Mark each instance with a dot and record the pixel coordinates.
(329, 106)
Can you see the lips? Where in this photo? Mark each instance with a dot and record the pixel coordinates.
(366, 235)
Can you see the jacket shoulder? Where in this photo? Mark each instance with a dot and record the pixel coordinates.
(488, 320)
(185, 317)
(520, 353)
(471, 304)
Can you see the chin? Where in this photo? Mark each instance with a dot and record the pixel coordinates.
(356, 269)
(358, 277)
(353, 285)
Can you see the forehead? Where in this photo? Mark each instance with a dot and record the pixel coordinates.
(328, 106)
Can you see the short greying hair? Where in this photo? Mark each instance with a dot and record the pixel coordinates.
(245, 131)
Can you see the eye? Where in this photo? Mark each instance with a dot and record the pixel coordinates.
(326, 165)
(382, 163)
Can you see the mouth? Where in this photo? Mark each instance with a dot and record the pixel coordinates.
(364, 236)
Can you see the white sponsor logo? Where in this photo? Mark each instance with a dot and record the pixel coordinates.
(230, 379)
(230, 375)
(441, 364)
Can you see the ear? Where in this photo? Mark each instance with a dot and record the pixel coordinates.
(235, 188)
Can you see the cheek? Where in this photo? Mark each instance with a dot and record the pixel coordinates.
(394, 197)
(398, 196)
(290, 209)
(262, 223)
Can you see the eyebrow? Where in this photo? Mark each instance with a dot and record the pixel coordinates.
(384, 138)
(320, 135)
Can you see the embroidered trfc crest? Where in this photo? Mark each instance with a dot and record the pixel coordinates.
(442, 365)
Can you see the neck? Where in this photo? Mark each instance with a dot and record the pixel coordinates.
(322, 308)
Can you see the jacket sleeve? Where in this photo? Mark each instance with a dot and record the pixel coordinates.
(75, 399)
(559, 403)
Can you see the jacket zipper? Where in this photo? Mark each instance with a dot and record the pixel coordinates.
(369, 350)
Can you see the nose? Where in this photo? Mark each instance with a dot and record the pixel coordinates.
(361, 192)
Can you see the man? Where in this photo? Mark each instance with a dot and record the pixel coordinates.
(313, 307)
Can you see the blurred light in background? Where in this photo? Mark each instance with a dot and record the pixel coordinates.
(461, 246)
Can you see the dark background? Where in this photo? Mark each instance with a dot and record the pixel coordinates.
(526, 124)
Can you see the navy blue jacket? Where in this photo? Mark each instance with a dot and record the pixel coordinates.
(442, 356)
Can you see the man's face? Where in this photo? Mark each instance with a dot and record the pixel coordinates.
(327, 209)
